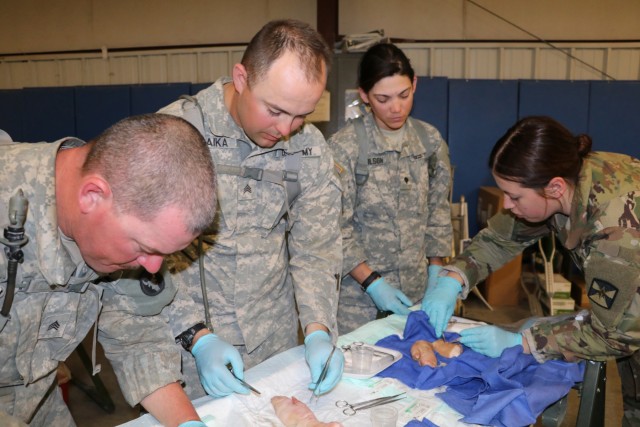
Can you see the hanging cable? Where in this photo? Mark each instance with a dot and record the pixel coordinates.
(203, 285)
(541, 39)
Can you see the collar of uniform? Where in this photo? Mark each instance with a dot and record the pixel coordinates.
(56, 263)
(219, 120)
(410, 147)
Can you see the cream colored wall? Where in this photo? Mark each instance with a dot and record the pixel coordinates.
(462, 20)
(68, 25)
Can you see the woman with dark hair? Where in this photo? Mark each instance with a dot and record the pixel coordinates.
(553, 182)
(396, 179)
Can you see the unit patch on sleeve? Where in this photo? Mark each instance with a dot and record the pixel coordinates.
(612, 286)
(151, 284)
(602, 293)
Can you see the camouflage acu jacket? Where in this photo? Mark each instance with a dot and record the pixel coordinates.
(261, 259)
(401, 214)
(56, 301)
(602, 234)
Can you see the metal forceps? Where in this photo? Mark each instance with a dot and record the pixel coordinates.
(381, 354)
(323, 375)
(243, 382)
(352, 408)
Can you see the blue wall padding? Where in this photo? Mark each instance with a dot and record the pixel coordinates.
(614, 116)
(98, 107)
(49, 114)
(431, 102)
(150, 98)
(565, 101)
(197, 87)
(480, 111)
(471, 114)
(11, 112)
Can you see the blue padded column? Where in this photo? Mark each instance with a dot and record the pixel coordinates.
(49, 114)
(565, 101)
(614, 116)
(98, 107)
(480, 112)
(431, 102)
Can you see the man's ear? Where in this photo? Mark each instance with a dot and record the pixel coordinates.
(95, 193)
(240, 77)
(556, 187)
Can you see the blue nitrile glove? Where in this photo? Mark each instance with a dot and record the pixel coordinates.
(388, 298)
(317, 347)
(193, 424)
(489, 340)
(440, 301)
(212, 356)
(433, 271)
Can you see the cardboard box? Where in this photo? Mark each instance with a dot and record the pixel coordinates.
(555, 305)
(559, 286)
(502, 287)
(490, 201)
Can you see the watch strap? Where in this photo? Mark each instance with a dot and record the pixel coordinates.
(185, 339)
(369, 280)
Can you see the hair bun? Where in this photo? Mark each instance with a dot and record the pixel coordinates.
(584, 144)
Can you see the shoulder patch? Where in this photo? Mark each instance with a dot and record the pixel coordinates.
(602, 293)
(151, 284)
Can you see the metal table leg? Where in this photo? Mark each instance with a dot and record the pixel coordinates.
(592, 397)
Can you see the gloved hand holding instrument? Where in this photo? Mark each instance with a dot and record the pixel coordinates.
(212, 355)
(325, 363)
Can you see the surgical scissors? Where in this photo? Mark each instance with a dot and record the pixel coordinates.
(351, 409)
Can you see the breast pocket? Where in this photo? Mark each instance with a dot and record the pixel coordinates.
(260, 206)
(272, 206)
(377, 194)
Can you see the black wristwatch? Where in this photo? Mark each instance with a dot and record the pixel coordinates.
(369, 280)
(185, 339)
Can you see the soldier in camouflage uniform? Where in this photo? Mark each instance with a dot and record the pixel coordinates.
(398, 221)
(93, 209)
(266, 252)
(552, 181)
